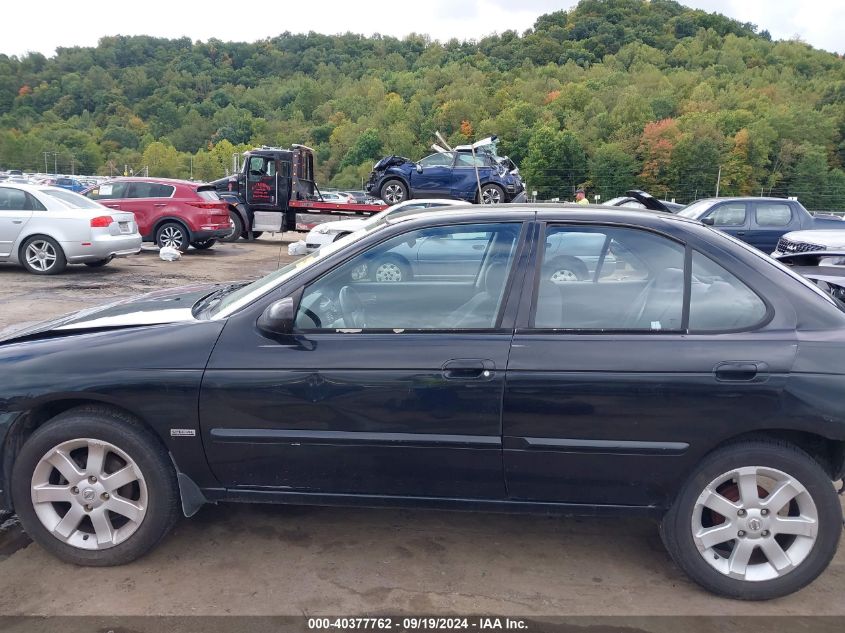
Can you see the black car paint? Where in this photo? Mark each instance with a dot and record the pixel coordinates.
(570, 422)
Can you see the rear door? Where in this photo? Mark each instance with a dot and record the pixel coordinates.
(769, 221)
(16, 208)
(616, 385)
(149, 201)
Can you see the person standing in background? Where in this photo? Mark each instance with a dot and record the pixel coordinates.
(581, 197)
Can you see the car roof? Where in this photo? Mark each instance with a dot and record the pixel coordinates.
(742, 199)
(162, 181)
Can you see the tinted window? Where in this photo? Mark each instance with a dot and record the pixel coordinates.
(17, 200)
(441, 159)
(150, 190)
(720, 301)
(109, 191)
(434, 278)
(731, 214)
(610, 279)
(773, 214)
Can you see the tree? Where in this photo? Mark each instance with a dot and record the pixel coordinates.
(556, 163)
(657, 143)
(612, 171)
(366, 148)
(163, 160)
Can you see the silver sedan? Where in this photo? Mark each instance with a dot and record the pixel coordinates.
(46, 228)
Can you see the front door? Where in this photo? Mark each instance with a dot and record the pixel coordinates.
(15, 211)
(433, 176)
(390, 388)
(262, 182)
(615, 388)
(732, 218)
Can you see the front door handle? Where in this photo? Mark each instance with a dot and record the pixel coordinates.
(114, 205)
(468, 369)
(740, 233)
(738, 371)
(160, 204)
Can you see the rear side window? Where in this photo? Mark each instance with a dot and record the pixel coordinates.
(208, 194)
(17, 200)
(150, 190)
(610, 279)
(731, 214)
(775, 214)
(719, 301)
(109, 191)
(72, 200)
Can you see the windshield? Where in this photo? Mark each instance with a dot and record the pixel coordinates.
(696, 209)
(72, 200)
(245, 295)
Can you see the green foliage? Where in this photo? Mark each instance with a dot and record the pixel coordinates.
(611, 94)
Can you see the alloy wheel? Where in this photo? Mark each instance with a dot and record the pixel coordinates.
(40, 255)
(755, 523)
(89, 494)
(393, 193)
(171, 236)
(491, 195)
(388, 271)
(563, 276)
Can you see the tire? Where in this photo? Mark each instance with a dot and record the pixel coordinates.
(173, 234)
(237, 228)
(98, 263)
(691, 520)
(565, 269)
(393, 191)
(42, 255)
(255, 235)
(492, 194)
(203, 245)
(390, 270)
(149, 497)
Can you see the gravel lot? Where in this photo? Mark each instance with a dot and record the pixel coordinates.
(253, 559)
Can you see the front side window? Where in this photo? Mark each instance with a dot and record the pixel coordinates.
(719, 301)
(773, 214)
(607, 278)
(441, 159)
(436, 278)
(109, 191)
(732, 214)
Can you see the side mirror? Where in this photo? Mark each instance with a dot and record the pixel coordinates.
(419, 168)
(277, 318)
(708, 221)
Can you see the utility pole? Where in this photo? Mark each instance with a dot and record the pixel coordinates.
(72, 159)
(46, 169)
(55, 163)
(718, 181)
(192, 167)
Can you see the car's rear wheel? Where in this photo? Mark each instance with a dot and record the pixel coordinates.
(94, 487)
(393, 191)
(756, 520)
(42, 255)
(565, 269)
(492, 194)
(237, 228)
(174, 235)
(202, 245)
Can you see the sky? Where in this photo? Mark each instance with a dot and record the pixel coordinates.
(54, 23)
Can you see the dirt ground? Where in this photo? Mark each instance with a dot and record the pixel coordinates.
(256, 560)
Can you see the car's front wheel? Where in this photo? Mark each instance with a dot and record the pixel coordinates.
(94, 487)
(756, 520)
(393, 191)
(42, 255)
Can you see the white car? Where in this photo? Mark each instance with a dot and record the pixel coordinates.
(46, 228)
(328, 232)
(338, 197)
(812, 241)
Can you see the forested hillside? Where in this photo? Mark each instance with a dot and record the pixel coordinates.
(611, 94)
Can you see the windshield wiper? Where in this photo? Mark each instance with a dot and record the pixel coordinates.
(212, 299)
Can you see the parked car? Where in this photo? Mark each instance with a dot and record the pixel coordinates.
(449, 174)
(705, 390)
(328, 232)
(71, 184)
(336, 196)
(758, 221)
(46, 228)
(637, 199)
(176, 213)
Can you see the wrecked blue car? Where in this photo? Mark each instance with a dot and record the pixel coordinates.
(449, 174)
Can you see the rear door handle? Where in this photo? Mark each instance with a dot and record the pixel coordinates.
(469, 369)
(739, 371)
(160, 204)
(114, 205)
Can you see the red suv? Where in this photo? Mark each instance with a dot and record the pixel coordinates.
(176, 213)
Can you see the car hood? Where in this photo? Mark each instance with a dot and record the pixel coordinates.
(155, 308)
(344, 225)
(829, 238)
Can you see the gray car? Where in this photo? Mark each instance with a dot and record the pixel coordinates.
(46, 228)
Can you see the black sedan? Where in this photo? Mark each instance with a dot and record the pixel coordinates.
(686, 378)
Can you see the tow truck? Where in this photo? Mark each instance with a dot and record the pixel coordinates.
(272, 188)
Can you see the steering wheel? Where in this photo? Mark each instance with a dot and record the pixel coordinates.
(352, 307)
